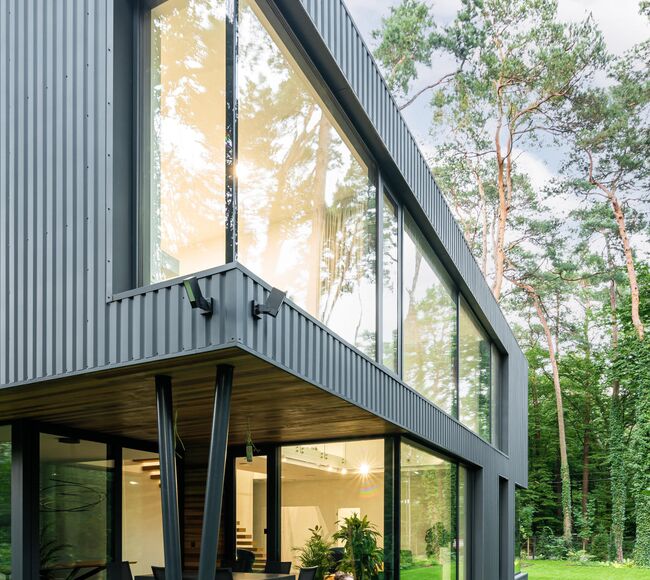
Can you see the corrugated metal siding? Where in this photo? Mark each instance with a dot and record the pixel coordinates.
(55, 186)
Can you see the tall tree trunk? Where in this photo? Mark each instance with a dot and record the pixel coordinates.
(586, 442)
(484, 222)
(499, 250)
(619, 216)
(565, 475)
(616, 433)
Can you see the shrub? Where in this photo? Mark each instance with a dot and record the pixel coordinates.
(600, 546)
(363, 558)
(551, 547)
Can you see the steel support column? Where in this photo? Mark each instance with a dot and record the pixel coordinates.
(24, 501)
(168, 489)
(216, 473)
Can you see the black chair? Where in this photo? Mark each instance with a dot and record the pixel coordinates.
(158, 572)
(245, 561)
(337, 555)
(120, 571)
(307, 573)
(277, 567)
(223, 574)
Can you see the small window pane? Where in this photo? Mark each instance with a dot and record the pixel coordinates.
(184, 185)
(429, 330)
(474, 374)
(307, 220)
(390, 289)
(142, 537)
(428, 496)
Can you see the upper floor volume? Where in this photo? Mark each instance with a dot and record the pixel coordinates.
(242, 153)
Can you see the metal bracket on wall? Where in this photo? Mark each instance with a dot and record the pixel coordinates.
(271, 306)
(196, 298)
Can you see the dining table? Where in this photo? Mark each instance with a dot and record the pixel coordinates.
(193, 575)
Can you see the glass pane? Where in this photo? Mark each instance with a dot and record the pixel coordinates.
(474, 374)
(306, 206)
(495, 394)
(142, 540)
(251, 508)
(5, 500)
(390, 296)
(429, 323)
(75, 506)
(322, 484)
(427, 508)
(187, 133)
(463, 501)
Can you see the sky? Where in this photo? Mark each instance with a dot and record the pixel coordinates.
(619, 20)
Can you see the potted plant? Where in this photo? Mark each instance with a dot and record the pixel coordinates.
(316, 552)
(362, 557)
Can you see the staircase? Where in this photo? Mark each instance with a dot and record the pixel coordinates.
(245, 542)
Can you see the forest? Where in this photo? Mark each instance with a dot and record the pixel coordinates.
(567, 260)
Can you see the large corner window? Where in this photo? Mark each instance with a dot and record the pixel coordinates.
(474, 374)
(429, 322)
(182, 141)
(5, 501)
(325, 483)
(307, 219)
(76, 502)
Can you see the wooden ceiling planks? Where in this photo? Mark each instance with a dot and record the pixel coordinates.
(276, 405)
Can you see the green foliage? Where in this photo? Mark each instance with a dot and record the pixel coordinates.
(435, 538)
(550, 546)
(362, 557)
(599, 547)
(317, 551)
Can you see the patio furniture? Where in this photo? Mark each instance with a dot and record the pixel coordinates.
(308, 573)
(120, 571)
(223, 574)
(158, 572)
(245, 561)
(277, 567)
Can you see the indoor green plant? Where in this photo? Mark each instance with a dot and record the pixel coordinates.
(362, 557)
(317, 551)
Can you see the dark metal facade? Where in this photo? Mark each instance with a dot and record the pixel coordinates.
(58, 312)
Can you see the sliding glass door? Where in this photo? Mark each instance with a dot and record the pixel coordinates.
(76, 502)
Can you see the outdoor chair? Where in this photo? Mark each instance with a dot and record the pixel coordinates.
(307, 573)
(120, 571)
(277, 567)
(223, 574)
(337, 555)
(158, 572)
(245, 561)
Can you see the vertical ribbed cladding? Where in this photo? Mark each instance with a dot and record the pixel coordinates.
(300, 344)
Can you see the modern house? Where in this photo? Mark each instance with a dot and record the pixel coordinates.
(168, 170)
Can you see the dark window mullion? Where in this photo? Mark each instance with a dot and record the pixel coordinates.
(231, 131)
(379, 268)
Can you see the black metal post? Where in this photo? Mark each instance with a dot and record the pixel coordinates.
(24, 502)
(274, 503)
(216, 473)
(232, 14)
(168, 490)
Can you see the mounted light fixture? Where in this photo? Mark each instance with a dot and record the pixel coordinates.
(195, 296)
(272, 304)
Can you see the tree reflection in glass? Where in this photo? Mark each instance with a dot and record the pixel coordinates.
(306, 207)
(429, 329)
(187, 134)
(474, 374)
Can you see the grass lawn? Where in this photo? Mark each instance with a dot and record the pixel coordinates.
(428, 573)
(555, 570)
